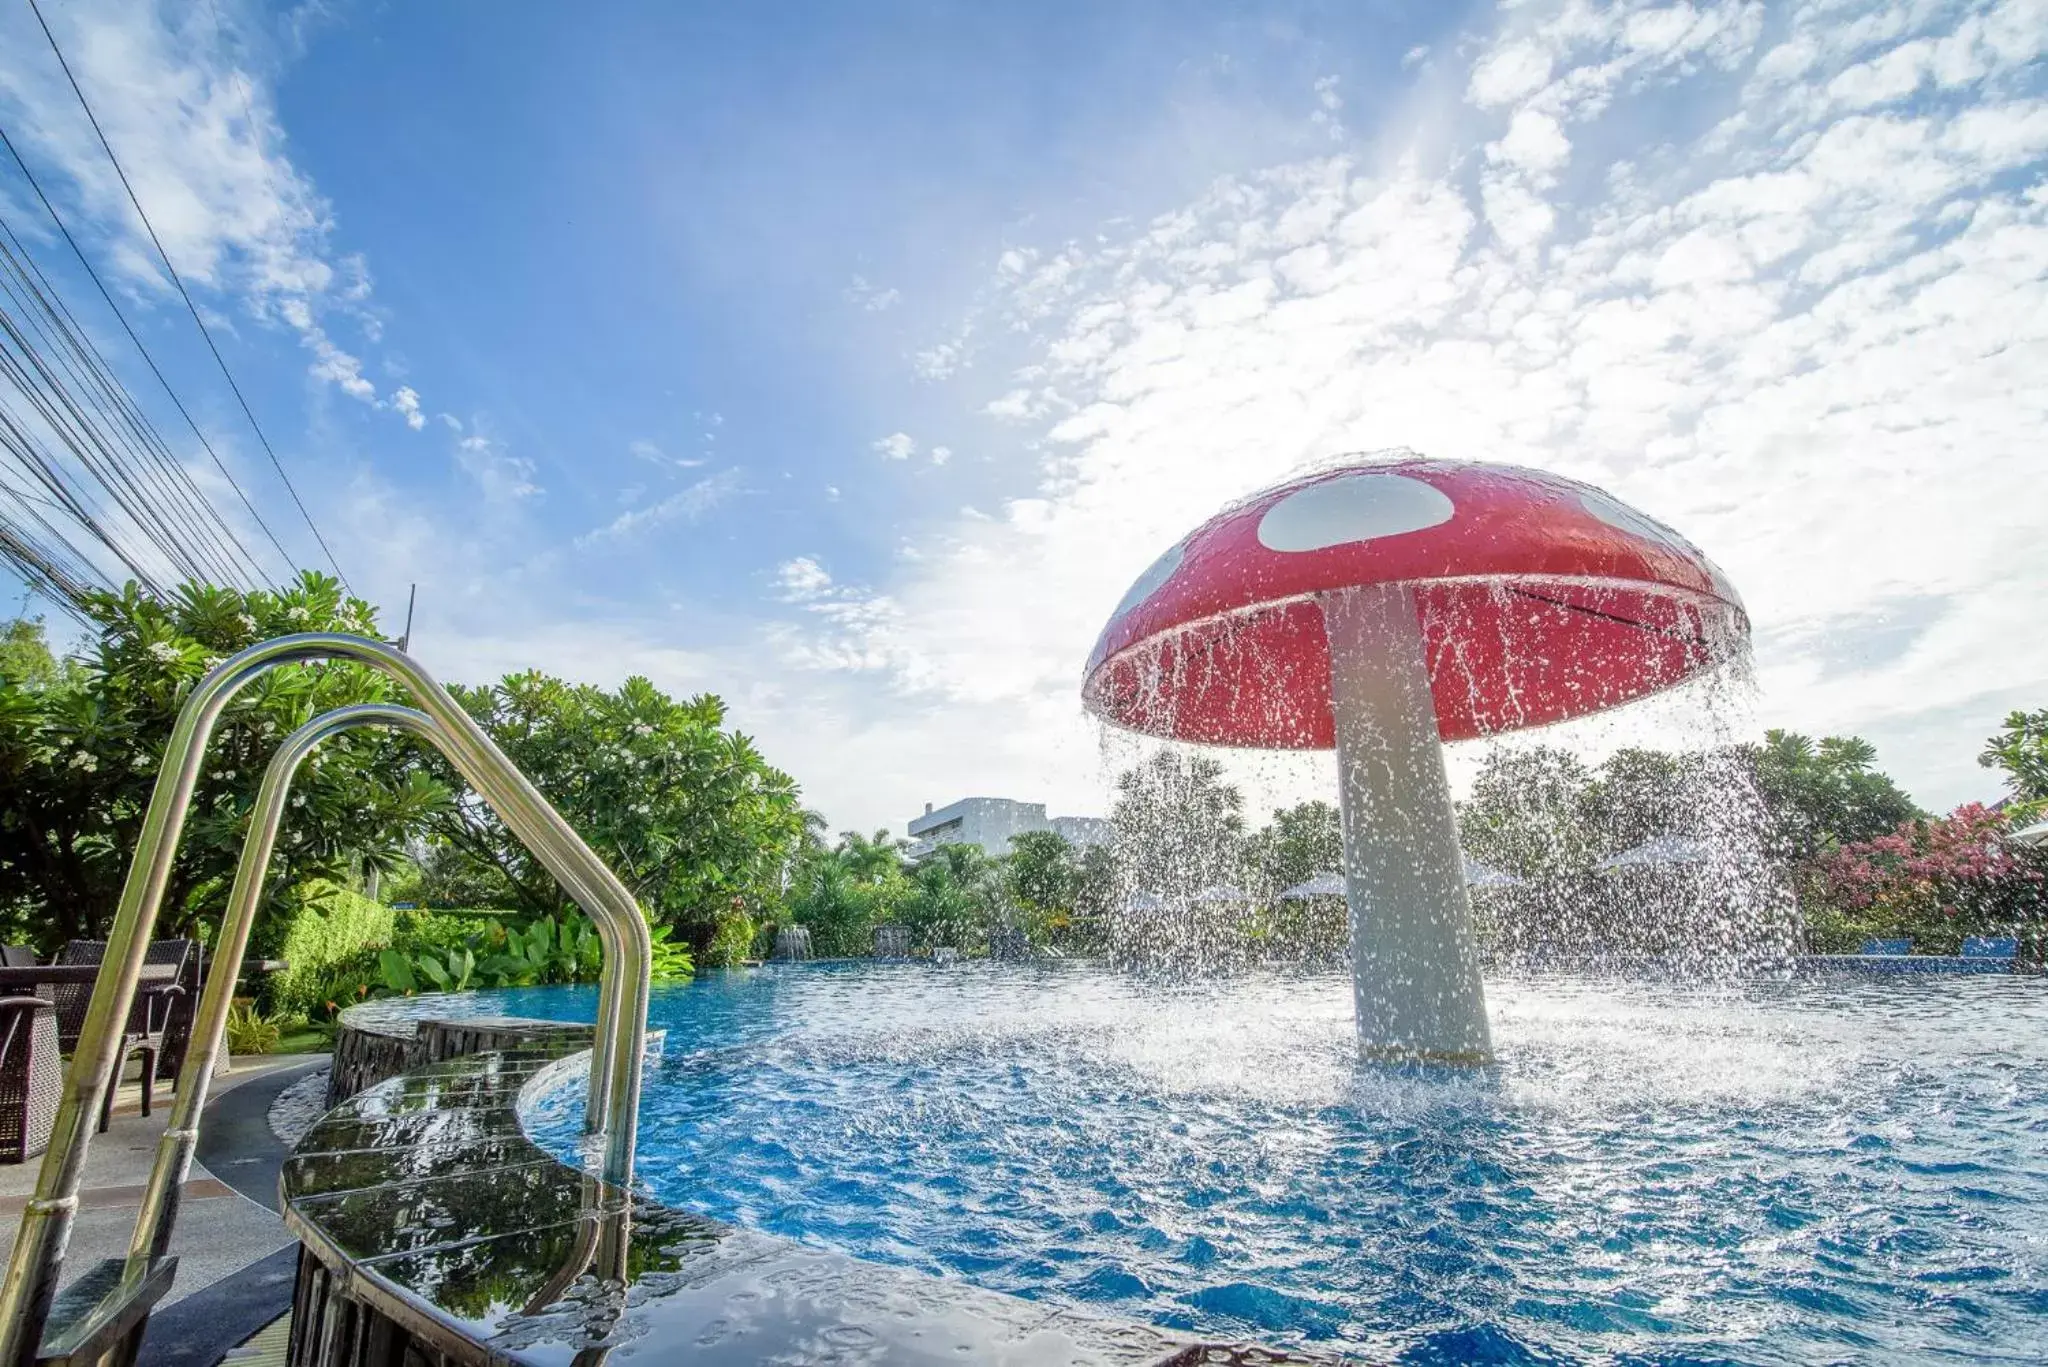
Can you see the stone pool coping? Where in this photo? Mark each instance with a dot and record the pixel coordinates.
(433, 1227)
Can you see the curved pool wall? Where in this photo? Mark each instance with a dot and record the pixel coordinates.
(435, 1232)
(1827, 1168)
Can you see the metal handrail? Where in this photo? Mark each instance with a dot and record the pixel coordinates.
(32, 1271)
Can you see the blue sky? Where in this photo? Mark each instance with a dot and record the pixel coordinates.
(849, 361)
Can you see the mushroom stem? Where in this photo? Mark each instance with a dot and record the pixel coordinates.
(1415, 967)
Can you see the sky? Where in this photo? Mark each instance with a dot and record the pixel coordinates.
(851, 361)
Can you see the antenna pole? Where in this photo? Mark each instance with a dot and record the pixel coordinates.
(411, 596)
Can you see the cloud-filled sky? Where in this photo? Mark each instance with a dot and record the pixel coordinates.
(850, 362)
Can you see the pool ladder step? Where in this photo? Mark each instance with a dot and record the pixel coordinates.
(97, 1311)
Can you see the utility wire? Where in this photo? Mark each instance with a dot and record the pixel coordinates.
(148, 360)
(185, 294)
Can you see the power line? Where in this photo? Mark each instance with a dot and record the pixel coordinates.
(185, 294)
(147, 358)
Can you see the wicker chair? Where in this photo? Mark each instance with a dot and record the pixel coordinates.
(148, 1018)
(31, 1074)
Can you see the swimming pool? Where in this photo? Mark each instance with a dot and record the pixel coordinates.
(1796, 1172)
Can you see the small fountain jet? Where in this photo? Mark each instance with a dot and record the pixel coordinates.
(1385, 607)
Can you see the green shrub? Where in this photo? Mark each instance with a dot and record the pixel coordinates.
(732, 941)
(334, 927)
(250, 1032)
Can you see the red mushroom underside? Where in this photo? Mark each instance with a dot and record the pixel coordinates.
(1503, 654)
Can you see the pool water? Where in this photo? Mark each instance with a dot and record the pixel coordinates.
(1812, 1171)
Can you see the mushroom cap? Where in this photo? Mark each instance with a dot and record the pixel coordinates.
(1541, 599)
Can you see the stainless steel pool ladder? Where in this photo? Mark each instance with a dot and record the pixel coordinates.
(105, 1310)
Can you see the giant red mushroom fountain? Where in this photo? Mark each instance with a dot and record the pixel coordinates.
(1384, 608)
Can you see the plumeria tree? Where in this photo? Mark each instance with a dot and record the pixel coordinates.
(80, 745)
(689, 815)
(1934, 880)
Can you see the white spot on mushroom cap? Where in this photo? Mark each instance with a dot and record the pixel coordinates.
(1619, 515)
(1147, 584)
(1352, 508)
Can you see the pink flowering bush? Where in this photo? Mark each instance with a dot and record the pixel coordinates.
(1935, 880)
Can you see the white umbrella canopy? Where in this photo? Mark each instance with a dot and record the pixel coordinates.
(1480, 875)
(1144, 901)
(2034, 836)
(1477, 875)
(1222, 892)
(1659, 852)
(1322, 885)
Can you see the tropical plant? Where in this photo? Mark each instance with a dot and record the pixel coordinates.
(80, 745)
(1179, 827)
(732, 940)
(251, 1032)
(1300, 842)
(1822, 795)
(2021, 749)
(689, 815)
(1933, 880)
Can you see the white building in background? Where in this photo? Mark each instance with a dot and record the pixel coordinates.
(991, 822)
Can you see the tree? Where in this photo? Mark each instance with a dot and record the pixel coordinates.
(956, 898)
(1042, 872)
(1529, 813)
(842, 893)
(2021, 749)
(25, 656)
(1301, 842)
(80, 745)
(1933, 880)
(1179, 827)
(689, 815)
(1823, 795)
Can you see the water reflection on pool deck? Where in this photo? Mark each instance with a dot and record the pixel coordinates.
(1784, 1172)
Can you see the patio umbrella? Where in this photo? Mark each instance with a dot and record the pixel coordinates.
(1478, 875)
(1662, 851)
(1144, 901)
(2035, 835)
(1322, 885)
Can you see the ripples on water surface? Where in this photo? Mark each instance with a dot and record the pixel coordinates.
(1806, 1172)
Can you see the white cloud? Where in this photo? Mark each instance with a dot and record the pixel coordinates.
(201, 144)
(499, 476)
(941, 454)
(802, 579)
(1779, 333)
(870, 297)
(407, 401)
(685, 505)
(896, 446)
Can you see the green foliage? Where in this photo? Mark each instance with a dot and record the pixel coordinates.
(1302, 841)
(732, 941)
(1826, 794)
(25, 656)
(333, 926)
(1179, 826)
(841, 894)
(2021, 749)
(689, 815)
(79, 751)
(250, 1032)
(671, 962)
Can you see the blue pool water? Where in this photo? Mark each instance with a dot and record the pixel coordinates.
(1850, 1171)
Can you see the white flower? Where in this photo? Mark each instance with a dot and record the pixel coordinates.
(298, 799)
(296, 613)
(85, 761)
(165, 653)
(248, 622)
(140, 764)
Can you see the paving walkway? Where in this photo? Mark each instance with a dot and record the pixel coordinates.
(221, 1230)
